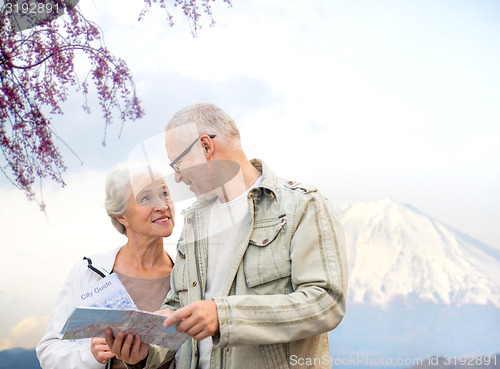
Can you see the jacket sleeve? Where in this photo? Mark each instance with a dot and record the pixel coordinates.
(157, 357)
(53, 352)
(318, 275)
(172, 301)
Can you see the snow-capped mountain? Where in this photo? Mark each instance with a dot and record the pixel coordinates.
(396, 253)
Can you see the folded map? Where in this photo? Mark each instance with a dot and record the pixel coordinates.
(86, 322)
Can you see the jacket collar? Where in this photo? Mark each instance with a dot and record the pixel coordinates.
(268, 182)
(105, 261)
(268, 177)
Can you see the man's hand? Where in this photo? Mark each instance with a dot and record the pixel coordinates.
(166, 312)
(127, 349)
(100, 350)
(198, 319)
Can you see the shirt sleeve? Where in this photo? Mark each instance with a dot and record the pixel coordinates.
(52, 351)
(318, 275)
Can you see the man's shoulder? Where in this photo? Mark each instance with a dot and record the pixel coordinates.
(294, 185)
(287, 188)
(273, 182)
(293, 196)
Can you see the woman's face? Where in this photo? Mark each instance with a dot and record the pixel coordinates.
(150, 211)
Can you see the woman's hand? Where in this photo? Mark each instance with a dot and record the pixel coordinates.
(100, 350)
(128, 349)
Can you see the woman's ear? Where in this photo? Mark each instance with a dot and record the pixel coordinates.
(122, 220)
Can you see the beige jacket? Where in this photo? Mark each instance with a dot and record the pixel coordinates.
(286, 287)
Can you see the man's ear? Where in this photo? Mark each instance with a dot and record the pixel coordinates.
(208, 146)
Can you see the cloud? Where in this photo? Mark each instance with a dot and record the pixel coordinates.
(38, 249)
(26, 333)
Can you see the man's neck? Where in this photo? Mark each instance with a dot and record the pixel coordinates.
(238, 185)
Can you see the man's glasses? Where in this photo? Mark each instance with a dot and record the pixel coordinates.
(182, 154)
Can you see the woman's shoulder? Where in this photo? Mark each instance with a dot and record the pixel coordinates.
(103, 261)
(100, 264)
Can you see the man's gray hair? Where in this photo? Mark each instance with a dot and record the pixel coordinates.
(209, 119)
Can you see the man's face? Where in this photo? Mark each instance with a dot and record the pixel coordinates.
(193, 168)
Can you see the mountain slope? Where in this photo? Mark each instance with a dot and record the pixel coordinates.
(19, 358)
(396, 253)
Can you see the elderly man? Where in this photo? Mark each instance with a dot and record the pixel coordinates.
(260, 275)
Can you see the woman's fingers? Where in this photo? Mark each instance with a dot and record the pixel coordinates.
(100, 350)
(128, 349)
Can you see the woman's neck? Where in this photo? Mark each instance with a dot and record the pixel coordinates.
(143, 260)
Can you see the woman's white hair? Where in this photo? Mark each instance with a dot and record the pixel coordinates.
(119, 187)
(209, 119)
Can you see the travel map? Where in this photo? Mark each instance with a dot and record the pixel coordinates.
(86, 322)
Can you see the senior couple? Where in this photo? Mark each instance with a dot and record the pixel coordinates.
(259, 276)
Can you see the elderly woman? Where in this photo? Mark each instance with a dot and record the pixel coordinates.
(140, 207)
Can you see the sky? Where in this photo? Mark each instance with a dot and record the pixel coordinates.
(366, 100)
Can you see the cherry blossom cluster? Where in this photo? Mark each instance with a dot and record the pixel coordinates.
(190, 8)
(37, 69)
(37, 73)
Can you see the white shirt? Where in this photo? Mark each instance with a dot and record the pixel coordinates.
(225, 222)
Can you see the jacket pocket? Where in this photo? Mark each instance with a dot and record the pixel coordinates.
(267, 257)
